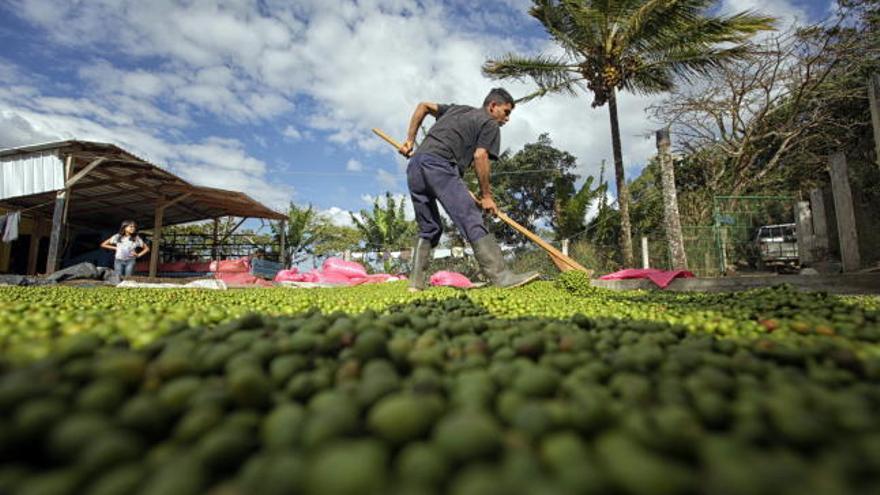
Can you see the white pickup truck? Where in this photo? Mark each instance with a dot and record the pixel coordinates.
(777, 245)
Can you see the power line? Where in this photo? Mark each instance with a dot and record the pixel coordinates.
(356, 174)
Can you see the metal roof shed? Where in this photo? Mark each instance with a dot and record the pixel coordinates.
(97, 185)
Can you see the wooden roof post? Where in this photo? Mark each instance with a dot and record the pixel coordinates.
(157, 230)
(34, 247)
(283, 257)
(157, 238)
(58, 222)
(214, 238)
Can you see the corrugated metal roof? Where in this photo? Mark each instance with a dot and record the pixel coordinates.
(125, 186)
(30, 173)
(52, 145)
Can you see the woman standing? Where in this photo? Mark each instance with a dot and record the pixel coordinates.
(126, 243)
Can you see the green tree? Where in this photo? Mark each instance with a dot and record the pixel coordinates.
(337, 239)
(571, 206)
(530, 187)
(634, 45)
(647, 200)
(305, 230)
(385, 227)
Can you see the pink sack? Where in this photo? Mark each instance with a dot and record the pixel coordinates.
(451, 279)
(292, 275)
(201, 266)
(375, 278)
(349, 269)
(333, 277)
(242, 280)
(240, 265)
(176, 266)
(661, 278)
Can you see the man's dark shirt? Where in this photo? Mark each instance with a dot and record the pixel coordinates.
(458, 132)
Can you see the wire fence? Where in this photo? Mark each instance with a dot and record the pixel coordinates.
(732, 242)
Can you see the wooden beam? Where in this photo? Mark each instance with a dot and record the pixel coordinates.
(283, 226)
(68, 172)
(109, 156)
(82, 173)
(115, 179)
(57, 225)
(846, 217)
(222, 200)
(144, 190)
(134, 192)
(157, 230)
(201, 214)
(226, 236)
(175, 200)
(55, 233)
(106, 205)
(157, 239)
(34, 247)
(214, 239)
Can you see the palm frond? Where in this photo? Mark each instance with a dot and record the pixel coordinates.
(652, 15)
(567, 88)
(544, 70)
(688, 63)
(649, 80)
(704, 31)
(584, 22)
(561, 27)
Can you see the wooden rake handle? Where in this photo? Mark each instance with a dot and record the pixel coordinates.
(563, 262)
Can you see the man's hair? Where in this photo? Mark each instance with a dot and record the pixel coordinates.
(498, 95)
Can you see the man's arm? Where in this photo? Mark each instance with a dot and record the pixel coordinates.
(424, 108)
(483, 169)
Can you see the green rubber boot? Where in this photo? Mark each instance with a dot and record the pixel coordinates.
(421, 257)
(491, 260)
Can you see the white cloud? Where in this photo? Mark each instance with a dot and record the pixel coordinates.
(593, 209)
(369, 199)
(226, 154)
(387, 180)
(246, 61)
(254, 186)
(18, 131)
(291, 132)
(785, 11)
(338, 216)
(354, 165)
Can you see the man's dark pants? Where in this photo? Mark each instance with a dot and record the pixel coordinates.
(432, 179)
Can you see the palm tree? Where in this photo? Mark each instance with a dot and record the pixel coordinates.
(634, 45)
(385, 226)
(305, 230)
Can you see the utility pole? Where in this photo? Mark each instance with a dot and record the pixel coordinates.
(671, 220)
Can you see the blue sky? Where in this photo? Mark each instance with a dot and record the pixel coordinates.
(276, 98)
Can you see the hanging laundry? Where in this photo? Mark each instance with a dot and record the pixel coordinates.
(3, 224)
(10, 231)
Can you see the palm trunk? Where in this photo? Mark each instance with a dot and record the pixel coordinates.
(620, 180)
